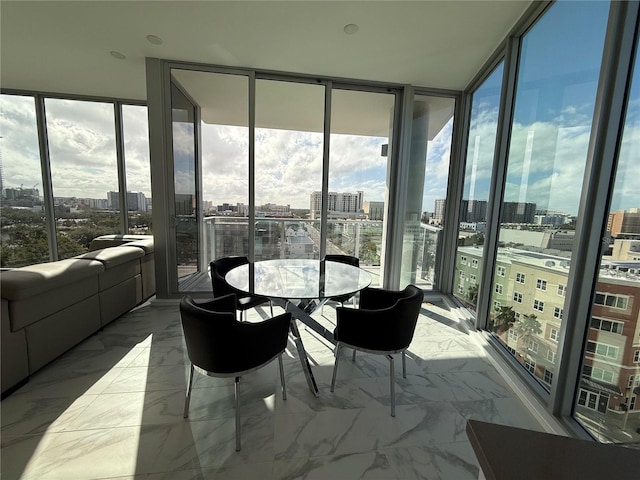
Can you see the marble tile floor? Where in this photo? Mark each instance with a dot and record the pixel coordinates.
(111, 408)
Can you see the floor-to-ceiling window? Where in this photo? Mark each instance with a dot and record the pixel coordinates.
(553, 112)
(84, 172)
(475, 197)
(78, 146)
(289, 143)
(358, 167)
(138, 174)
(427, 174)
(24, 235)
(186, 205)
(607, 401)
(223, 103)
(287, 154)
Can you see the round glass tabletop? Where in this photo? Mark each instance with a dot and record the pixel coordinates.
(298, 278)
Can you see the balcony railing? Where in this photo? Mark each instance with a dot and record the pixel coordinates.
(300, 238)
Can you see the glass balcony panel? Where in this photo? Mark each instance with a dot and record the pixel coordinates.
(84, 172)
(549, 139)
(431, 137)
(607, 402)
(137, 168)
(23, 236)
(187, 230)
(359, 149)
(223, 101)
(477, 179)
(288, 168)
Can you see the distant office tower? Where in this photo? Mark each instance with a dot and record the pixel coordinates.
(438, 214)
(338, 203)
(476, 211)
(113, 200)
(136, 201)
(473, 211)
(374, 210)
(185, 204)
(518, 212)
(274, 210)
(624, 221)
(97, 203)
(227, 207)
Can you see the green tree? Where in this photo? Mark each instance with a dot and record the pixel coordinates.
(68, 248)
(503, 320)
(23, 244)
(472, 294)
(527, 328)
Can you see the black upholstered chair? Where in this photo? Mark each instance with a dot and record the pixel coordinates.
(220, 346)
(349, 260)
(383, 324)
(219, 269)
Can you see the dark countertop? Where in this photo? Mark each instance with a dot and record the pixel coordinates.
(506, 453)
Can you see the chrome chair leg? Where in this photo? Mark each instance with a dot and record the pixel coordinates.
(187, 399)
(284, 388)
(392, 384)
(404, 364)
(335, 365)
(237, 382)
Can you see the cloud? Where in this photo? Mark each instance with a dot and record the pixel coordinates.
(82, 148)
(437, 167)
(19, 143)
(136, 148)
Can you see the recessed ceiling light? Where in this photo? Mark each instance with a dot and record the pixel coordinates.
(351, 28)
(154, 39)
(117, 55)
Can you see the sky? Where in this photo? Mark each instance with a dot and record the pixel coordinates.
(548, 144)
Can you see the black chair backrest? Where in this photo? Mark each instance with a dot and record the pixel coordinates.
(348, 259)
(212, 337)
(219, 268)
(395, 331)
(406, 312)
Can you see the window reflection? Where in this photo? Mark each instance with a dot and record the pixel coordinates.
(289, 148)
(553, 112)
(84, 173)
(23, 239)
(358, 158)
(138, 168)
(607, 398)
(473, 214)
(431, 137)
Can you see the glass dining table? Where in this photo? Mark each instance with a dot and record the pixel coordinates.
(300, 286)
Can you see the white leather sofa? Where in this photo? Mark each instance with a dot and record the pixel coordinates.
(50, 307)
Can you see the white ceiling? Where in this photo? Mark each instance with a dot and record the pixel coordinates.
(63, 47)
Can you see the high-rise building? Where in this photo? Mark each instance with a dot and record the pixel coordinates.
(374, 210)
(113, 200)
(473, 211)
(438, 213)
(624, 221)
(339, 204)
(136, 201)
(518, 212)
